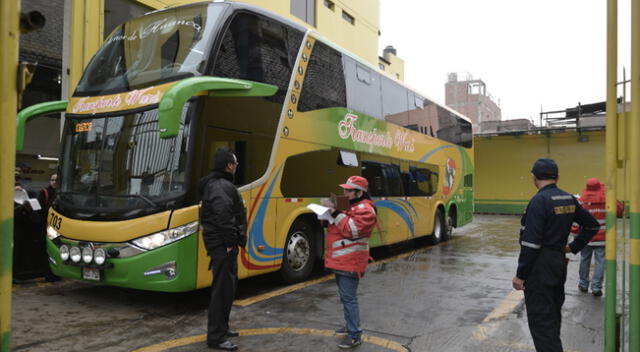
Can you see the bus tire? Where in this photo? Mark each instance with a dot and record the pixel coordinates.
(298, 256)
(439, 228)
(449, 225)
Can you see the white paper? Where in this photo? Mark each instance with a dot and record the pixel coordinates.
(323, 212)
(20, 196)
(35, 205)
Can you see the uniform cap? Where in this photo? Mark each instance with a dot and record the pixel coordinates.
(356, 182)
(545, 169)
(593, 184)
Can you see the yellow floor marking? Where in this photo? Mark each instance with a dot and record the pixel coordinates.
(265, 296)
(391, 345)
(490, 323)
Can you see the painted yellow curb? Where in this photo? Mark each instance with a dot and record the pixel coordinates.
(391, 345)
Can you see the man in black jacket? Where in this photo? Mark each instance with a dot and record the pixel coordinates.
(542, 266)
(224, 221)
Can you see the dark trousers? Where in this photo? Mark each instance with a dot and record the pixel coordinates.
(543, 297)
(223, 290)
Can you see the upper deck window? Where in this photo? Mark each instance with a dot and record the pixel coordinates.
(161, 47)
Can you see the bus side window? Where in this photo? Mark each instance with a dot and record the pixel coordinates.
(324, 85)
(393, 180)
(258, 49)
(408, 183)
(373, 172)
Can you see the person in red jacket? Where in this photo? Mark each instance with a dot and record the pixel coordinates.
(594, 200)
(347, 253)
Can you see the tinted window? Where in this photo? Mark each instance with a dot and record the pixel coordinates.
(453, 128)
(424, 180)
(258, 49)
(363, 88)
(324, 85)
(394, 102)
(314, 174)
(373, 172)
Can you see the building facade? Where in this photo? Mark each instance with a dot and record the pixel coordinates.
(469, 97)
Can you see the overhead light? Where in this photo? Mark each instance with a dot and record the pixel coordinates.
(49, 158)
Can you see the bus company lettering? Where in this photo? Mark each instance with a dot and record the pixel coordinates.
(164, 24)
(137, 97)
(103, 103)
(131, 100)
(347, 128)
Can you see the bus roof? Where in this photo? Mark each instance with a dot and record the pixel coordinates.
(308, 29)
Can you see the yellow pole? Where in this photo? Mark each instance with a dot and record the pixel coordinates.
(9, 37)
(611, 162)
(634, 150)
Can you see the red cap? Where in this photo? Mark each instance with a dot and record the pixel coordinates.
(356, 182)
(593, 184)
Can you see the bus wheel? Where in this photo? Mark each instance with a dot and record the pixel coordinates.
(298, 259)
(439, 228)
(448, 230)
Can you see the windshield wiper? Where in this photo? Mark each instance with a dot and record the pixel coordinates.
(149, 201)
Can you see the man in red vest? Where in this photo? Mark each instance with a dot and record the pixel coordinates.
(347, 253)
(593, 199)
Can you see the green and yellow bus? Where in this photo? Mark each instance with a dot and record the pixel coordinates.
(167, 89)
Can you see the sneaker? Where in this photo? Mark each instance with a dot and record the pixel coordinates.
(349, 342)
(597, 293)
(582, 288)
(224, 345)
(342, 331)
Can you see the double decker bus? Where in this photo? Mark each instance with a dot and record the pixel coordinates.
(167, 89)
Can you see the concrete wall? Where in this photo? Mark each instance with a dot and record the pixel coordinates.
(503, 181)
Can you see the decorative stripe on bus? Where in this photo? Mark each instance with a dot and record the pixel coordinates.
(256, 233)
(400, 210)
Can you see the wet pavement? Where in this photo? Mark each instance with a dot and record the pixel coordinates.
(455, 296)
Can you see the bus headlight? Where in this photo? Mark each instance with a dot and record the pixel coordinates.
(52, 233)
(74, 254)
(99, 256)
(64, 252)
(163, 238)
(87, 255)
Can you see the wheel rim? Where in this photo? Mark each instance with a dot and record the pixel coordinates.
(437, 229)
(298, 251)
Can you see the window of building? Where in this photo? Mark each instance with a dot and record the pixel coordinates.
(305, 10)
(347, 17)
(324, 85)
(330, 5)
(259, 49)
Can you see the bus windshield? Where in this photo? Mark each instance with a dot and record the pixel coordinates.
(157, 48)
(119, 164)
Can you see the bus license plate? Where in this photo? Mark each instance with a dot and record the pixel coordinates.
(91, 274)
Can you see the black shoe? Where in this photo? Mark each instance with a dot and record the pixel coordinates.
(349, 342)
(342, 331)
(582, 288)
(224, 345)
(232, 333)
(597, 293)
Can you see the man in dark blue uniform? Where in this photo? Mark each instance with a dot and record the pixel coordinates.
(542, 266)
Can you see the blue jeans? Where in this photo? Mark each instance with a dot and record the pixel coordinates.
(348, 289)
(585, 264)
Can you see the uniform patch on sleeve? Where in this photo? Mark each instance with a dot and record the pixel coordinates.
(565, 209)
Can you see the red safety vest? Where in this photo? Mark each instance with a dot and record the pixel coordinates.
(348, 238)
(593, 199)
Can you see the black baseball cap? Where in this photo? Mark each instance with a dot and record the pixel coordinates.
(545, 169)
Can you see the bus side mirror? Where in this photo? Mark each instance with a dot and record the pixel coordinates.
(172, 102)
